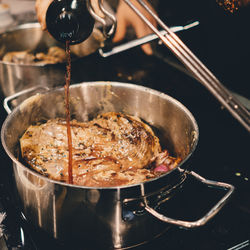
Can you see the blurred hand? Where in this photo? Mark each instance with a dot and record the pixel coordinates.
(41, 9)
(127, 17)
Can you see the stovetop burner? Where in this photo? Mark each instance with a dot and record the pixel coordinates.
(222, 155)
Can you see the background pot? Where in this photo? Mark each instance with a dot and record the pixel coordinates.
(116, 217)
(16, 77)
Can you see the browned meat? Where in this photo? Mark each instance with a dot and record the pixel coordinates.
(52, 56)
(113, 149)
(20, 57)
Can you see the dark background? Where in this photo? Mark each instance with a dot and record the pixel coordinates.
(221, 41)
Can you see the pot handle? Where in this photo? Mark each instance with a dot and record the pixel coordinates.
(212, 212)
(140, 41)
(18, 94)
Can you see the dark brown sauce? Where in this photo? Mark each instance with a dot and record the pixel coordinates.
(66, 88)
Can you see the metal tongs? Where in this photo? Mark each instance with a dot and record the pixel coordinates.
(198, 69)
(191, 62)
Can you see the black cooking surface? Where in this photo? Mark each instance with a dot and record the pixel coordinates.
(222, 154)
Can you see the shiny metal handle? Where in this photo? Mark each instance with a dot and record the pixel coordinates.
(140, 41)
(107, 31)
(18, 94)
(213, 211)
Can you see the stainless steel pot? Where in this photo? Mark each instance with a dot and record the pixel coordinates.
(116, 217)
(16, 77)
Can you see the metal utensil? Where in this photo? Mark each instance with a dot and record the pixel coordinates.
(195, 66)
(3, 245)
(143, 40)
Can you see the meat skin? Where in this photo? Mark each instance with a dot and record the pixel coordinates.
(111, 150)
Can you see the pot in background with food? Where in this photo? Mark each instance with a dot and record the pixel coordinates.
(30, 57)
(115, 216)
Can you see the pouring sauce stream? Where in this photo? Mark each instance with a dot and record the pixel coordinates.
(66, 89)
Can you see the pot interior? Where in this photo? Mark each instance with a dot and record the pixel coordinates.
(171, 121)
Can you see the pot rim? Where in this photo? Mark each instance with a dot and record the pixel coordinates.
(101, 83)
(43, 65)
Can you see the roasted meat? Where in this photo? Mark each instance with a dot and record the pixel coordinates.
(111, 150)
(53, 55)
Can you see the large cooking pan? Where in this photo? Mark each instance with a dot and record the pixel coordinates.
(113, 217)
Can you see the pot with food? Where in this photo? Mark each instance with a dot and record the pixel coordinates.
(31, 57)
(129, 156)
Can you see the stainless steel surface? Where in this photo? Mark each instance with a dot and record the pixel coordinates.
(17, 77)
(104, 217)
(140, 41)
(198, 69)
(212, 212)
